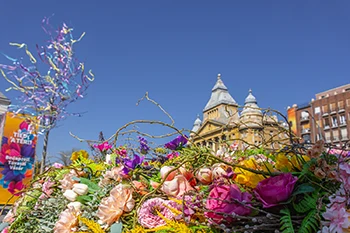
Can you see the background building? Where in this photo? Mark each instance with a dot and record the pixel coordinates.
(327, 117)
(224, 120)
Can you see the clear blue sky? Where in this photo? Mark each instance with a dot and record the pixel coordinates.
(286, 51)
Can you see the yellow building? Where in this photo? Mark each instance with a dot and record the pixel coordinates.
(225, 121)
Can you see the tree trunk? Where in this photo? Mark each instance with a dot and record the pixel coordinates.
(43, 158)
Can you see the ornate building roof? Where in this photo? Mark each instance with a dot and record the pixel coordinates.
(219, 95)
(197, 124)
(4, 100)
(251, 106)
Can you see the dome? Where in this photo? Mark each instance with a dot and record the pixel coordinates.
(197, 124)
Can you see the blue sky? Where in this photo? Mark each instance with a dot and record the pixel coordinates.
(286, 51)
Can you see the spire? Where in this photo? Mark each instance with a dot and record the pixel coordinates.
(219, 95)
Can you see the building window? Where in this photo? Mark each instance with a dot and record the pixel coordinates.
(342, 120)
(325, 108)
(333, 107)
(304, 115)
(344, 134)
(340, 105)
(334, 121)
(335, 135)
(328, 136)
(306, 138)
(326, 122)
(317, 110)
(318, 137)
(348, 102)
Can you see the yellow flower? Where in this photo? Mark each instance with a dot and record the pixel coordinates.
(78, 154)
(93, 226)
(137, 229)
(282, 162)
(248, 178)
(160, 150)
(299, 162)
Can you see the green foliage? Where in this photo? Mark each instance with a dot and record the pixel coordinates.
(307, 203)
(93, 187)
(303, 188)
(310, 223)
(286, 222)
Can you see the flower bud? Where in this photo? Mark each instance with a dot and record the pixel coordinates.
(205, 175)
(75, 205)
(70, 195)
(80, 189)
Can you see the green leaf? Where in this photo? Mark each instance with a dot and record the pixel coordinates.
(310, 223)
(303, 188)
(286, 222)
(84, 199)
(3, 225)
(117, 227)
(93, 187)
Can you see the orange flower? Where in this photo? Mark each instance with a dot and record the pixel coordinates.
(188, 175)
(67, 221)
(112, 207)
(140, 187)
(154, 184)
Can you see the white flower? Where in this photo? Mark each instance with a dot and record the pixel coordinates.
(76, 205)
(70, 195)
(80, 189)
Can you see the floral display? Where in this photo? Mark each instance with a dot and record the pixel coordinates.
(185, 188)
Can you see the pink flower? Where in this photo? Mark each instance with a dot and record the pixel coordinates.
(172, 155)
(103, 146)
(119, 201)
(223, 199)
(164, 173)
(16, 187)
(67, 222)
(12, 149)
(57, 165)
(148, 216)
(6, 230)
(274, 190)
(24, 125)
(204, 175)
(177, 186)
(47, 189)
(339, 219)
(344, 175)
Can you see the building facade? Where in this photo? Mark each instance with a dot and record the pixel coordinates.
(225, 121)
(326, 117)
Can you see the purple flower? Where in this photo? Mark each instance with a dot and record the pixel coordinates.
(274, 190)
(143, 145)
(130, 164)
(28, 151)
(177, 143)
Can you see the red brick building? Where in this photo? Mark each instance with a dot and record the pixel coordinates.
(327, 117)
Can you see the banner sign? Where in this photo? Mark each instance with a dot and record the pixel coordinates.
(17, 155)
(292, 118)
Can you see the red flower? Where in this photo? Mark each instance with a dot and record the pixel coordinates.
(15, 187)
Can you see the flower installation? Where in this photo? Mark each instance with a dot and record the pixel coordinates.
(186, 188)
